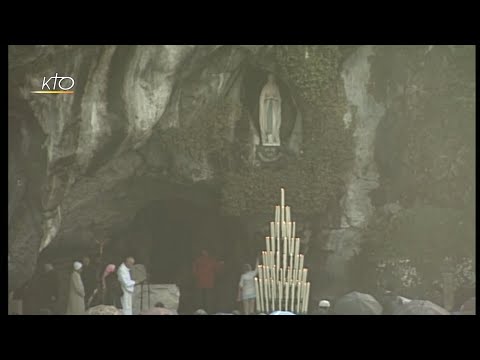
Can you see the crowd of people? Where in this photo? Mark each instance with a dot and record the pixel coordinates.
(91, 286)
(106, 289)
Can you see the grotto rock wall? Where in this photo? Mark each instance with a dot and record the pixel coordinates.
(144, 118)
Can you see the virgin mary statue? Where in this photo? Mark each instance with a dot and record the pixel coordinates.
(270, 113)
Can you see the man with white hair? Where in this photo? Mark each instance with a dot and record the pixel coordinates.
(127, 283)
(76, 299)
(323, 308)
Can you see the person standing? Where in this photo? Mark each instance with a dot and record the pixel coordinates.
(48, 288)
(112, 290)
(247, 288)
(127, 284)
(76, 298)
(204, 269)
(89, 278)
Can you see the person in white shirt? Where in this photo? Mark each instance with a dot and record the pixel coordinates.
(247, 288)
(128, 285)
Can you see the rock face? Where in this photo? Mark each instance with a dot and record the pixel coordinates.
(363, 177)
(82, 165)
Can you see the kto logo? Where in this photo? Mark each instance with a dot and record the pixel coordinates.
(60, 85)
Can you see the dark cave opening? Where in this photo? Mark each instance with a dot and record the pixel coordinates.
(167, 235)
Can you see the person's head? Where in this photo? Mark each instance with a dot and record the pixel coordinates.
(129, 261)
(109, 270)
(86, 261)
(77, 266)
(271, 78)
(47, 267)
(200, 312)
(247, 268)
(324, 305)
(159, 305)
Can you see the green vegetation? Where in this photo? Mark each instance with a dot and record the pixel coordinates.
(314, 179)
(431, 168)
(208, 135)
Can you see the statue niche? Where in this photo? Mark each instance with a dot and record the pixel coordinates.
(270, 113)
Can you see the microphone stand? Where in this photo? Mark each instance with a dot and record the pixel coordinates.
(147, 283)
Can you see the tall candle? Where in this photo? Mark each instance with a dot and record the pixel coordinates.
(287, 215)
(293, 296)
(305, 273)
(287, 290)
(260, 284)
(267, 240)
(293, 230)
(297, 246)
(272, 244)
(274, 294)
(283, 197)
(280, 295)
(289, 229)
(277, 227)
(272, 229)
(285, 245)
(282, 215)
(295, 264)
(284, 229)
(265, 284)
(289, 274)
(260, 271)
(284, 260)
(278, 263)
(277, 213)
(295, 274)
(306, 298)
(257, 292)
(299, 296)
(301, 263)
(291, 260)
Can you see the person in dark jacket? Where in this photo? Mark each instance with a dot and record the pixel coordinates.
(111, 289)
(48, 286)
(89, 278)
(41, 291)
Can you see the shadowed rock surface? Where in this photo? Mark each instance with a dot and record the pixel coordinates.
(131, 147)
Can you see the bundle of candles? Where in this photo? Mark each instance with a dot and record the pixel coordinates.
(282, 281)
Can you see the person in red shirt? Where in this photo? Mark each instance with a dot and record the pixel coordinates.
(205, 268)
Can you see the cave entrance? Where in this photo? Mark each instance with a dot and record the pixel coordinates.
(167, 235)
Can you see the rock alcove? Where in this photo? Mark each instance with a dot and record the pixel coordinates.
(156, 151)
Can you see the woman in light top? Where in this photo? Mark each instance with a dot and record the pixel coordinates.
(247, 288)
